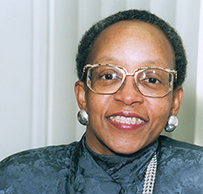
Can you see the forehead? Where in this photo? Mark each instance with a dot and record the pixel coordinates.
(136, 27)
(134, 38)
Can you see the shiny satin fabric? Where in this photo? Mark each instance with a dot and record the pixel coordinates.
(75, 169)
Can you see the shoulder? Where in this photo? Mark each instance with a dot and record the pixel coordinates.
(167, 143)
(49, 153)
(41, 167)
(180, 151)
(181, 164)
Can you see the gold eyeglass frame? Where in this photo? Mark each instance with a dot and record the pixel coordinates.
(135, 72)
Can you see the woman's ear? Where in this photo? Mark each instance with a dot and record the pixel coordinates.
(177, 100)
(81, 95)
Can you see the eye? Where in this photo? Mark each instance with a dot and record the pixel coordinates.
(109, 76)
(150, 77)
(152, 80)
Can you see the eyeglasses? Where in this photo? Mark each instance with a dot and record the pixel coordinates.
(108, 79)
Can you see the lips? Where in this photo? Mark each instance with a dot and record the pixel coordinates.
(126, 121)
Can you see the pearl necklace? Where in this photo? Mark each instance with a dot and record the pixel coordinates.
(150, 176)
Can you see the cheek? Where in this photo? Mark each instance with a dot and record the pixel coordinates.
(159, 110)
(97, 106)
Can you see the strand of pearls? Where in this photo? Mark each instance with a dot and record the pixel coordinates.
(150, 176)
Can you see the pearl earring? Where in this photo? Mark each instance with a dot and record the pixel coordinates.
(172, 124)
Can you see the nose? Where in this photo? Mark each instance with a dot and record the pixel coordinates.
(129, 93)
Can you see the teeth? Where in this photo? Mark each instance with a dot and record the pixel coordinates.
(127, 120)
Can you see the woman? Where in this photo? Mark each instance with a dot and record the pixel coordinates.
(131, 66)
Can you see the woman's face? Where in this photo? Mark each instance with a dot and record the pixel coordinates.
(130, 44)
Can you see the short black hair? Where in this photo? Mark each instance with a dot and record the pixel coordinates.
(84, 48)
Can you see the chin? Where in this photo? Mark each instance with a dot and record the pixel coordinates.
(124, 150)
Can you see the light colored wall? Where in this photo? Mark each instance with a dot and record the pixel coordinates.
(38, 40)
(15, 75)
(199, 81)
(187, 24)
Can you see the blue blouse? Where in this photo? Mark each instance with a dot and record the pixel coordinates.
(76, 169)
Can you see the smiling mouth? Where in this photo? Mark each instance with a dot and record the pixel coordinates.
(126, 120)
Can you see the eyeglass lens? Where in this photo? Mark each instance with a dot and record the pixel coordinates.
(152, 82)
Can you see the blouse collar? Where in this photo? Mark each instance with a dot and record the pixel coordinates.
(112, 164)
